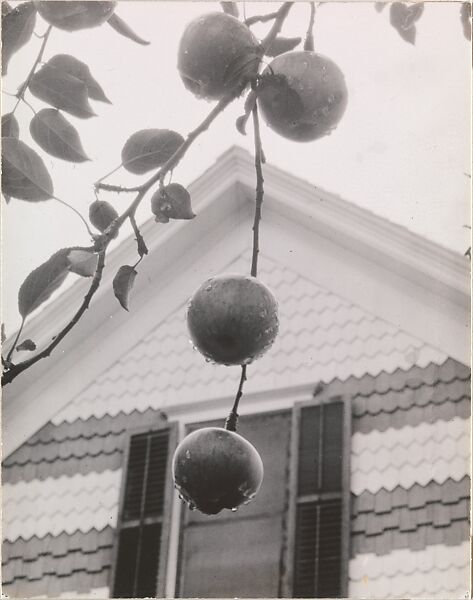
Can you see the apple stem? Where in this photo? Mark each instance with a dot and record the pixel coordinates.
(232, 419)
(309, 38)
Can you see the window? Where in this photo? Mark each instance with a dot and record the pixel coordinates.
(292, 540)
(142, 529)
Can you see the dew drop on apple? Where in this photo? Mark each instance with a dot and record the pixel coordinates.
(234, 509)
(188, 454)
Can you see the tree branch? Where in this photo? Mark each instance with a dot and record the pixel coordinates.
(15, 370)
(101, 242)
(26, 83)
(259, 191)
(260, 18)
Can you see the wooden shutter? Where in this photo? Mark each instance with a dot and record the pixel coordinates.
(321, 500)
(143, 516)
(238, 554)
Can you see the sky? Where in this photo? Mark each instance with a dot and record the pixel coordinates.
(402, 149)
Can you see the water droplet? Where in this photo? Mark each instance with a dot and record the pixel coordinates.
(331, 99)
(188, 454)
(191, 506)
(180, 497)
(208, 288)
(234, 509)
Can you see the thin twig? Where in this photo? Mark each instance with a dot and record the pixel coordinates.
(232, 419)
(15, 370)
(260, 18)
(259, 191)
(140, 242)
(9, 355)
(276, 27)
(309, 36)
(26, 83)
(92, 235)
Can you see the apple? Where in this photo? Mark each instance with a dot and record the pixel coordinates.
(233, 319)
(302, 95)
(216, 53)
(214, 468)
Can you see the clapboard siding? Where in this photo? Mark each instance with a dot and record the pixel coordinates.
(52, 564)
(410, 518)
(93, 445)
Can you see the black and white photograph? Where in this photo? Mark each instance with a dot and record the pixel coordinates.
(235, 310)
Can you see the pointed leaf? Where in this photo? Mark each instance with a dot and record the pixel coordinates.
(10, 127)
(24, 174)
(465, 16)
(61, 90)
(82, 262)
(172, 202)
(149, 149)
(57, 136)
(231, 8)
(281, 44)
(17, 29)
(123, 283)
(124, 29)
(76, 68)
(403, 18)
(28, 345)
(42, 282)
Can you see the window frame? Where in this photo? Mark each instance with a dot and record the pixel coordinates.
(289, 544)
(164, 519)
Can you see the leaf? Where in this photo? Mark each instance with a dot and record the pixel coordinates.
(42, 282)
(379, 6)
(82, 262)
(282, 44)
(24, 174)
(76, 68)
(17, 29)
(172, 202)
(61, 90)
(465, 16)
(149, 149)
(403, 18)
(231, 8)
(10, 127)
(57, 136)
(26, 345)
(124, 29)
(123, 283)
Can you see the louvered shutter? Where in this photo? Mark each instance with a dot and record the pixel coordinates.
(145, 498)
(321, 530)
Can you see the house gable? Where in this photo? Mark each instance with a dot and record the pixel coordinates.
(376, 267)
